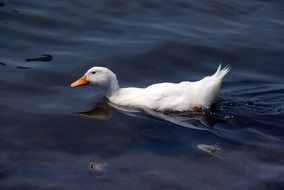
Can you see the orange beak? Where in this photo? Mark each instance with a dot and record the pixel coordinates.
(80, 82)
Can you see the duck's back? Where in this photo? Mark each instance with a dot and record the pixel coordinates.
(162, 96)
(173, 96)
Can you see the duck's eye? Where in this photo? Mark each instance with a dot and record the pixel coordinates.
(93, 72)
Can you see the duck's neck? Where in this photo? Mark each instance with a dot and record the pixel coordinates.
(112, 87)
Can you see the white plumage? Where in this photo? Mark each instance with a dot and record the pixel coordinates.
(183, 96)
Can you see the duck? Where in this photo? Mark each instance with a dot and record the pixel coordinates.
(163, 97)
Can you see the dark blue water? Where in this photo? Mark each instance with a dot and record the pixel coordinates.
(50, 133)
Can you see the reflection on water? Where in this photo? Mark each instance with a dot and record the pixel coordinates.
(194, 120)
(102, 110)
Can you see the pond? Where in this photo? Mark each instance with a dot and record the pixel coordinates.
(56, 137)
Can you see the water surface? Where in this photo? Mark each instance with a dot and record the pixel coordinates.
(50, 133)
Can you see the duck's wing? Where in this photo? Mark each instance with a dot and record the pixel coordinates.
(166, 97)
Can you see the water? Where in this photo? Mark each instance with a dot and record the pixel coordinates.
(50, 133)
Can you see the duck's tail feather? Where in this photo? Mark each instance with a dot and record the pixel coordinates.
(220, 73)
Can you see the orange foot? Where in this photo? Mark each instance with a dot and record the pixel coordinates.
(195, 107)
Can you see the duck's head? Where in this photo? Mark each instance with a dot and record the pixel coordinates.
(98, 76)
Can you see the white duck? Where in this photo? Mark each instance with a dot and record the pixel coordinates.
(183, 96)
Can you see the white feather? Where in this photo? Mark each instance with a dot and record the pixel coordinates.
(162, 96)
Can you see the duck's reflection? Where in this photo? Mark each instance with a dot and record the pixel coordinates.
(102, 110)
(197, 120)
